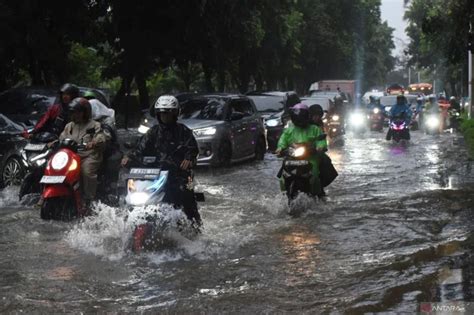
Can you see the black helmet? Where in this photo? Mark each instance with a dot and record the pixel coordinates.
(316, 110)
(69, 89)
(82, 105)
(299, 115)
(372, 99)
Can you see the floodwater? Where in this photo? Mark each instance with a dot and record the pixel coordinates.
(394, 231)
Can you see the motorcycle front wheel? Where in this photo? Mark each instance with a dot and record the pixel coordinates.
(58, 208)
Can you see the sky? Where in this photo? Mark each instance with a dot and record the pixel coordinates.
(392, 12)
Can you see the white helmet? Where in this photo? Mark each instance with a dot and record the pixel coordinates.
(167, 103)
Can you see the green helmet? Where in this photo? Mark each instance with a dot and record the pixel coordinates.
(89, 94)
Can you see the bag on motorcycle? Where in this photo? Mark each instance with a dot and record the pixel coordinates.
(327, 172)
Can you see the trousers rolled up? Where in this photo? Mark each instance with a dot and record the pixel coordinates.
(89, 168)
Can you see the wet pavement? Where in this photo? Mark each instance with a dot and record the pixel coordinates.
(395, 231)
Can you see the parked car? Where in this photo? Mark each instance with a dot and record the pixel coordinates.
(227, 127)
(11, 142)
(273, 106)
(25, 105)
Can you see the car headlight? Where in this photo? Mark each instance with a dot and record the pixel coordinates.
(59, 161)
(210, 131)
(335, 118)
(143, 129)
(273, 122)
(138, 198)
(376, 110)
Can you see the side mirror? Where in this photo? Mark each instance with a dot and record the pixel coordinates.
(236, 116)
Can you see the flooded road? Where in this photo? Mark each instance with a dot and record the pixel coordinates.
(395, 230)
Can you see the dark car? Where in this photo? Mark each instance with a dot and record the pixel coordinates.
(227, 127)
(26, 105)
(274, 106)
(11, 142)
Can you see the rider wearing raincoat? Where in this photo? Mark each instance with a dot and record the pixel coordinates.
(302, 131)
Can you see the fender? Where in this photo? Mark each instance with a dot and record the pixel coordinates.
(52, 191)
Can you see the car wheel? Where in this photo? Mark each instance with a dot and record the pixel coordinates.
(224, 154)
(12, 173)
(260, 149)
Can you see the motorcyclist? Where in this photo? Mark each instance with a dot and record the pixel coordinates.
(419, 109)
(100, 112)
(401, 108)
(83, 130)
(171, 140)
(302, 131)
(112, 154)
(316, 113)
(57, 116)
(454, 104)
(374, 103)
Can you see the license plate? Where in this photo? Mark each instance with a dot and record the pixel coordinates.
(145, 171)
(52, 179)
(296, 163)
(35, 147)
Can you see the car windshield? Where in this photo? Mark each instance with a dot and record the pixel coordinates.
(267, 103)
(6, 125)
(206, 109)
(388, 100)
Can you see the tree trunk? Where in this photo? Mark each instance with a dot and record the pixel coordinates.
(208, 77)
(142, 91)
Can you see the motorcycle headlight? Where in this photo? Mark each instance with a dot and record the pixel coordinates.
(357, 119)
(59, 161)
(432, 122)
(205, 132)
(335, 118)
(376, 110)
(273, 122)
(139, 198)
(299, 152)
(143, 129)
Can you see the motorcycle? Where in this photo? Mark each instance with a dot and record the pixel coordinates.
(432, 123)
(334, 126)
(34, 157)
(358, 121)
(376, 119)
(296, 170)
(150, 184)
(61, 195)
(398, 129)
(454, 118)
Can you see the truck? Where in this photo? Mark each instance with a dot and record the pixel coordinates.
(348, 87)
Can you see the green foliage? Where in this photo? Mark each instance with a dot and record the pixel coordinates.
(438, 31)
(85, 65)
(467, 128)
(170, 46)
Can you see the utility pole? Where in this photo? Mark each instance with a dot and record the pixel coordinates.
(470, 83)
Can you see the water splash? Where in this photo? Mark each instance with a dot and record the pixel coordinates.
(9, 197)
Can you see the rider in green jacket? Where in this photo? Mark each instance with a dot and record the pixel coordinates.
(301, 131)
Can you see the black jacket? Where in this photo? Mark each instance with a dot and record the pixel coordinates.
(162, 141)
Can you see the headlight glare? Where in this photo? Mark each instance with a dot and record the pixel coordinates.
(59, 160)
(210, 131)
